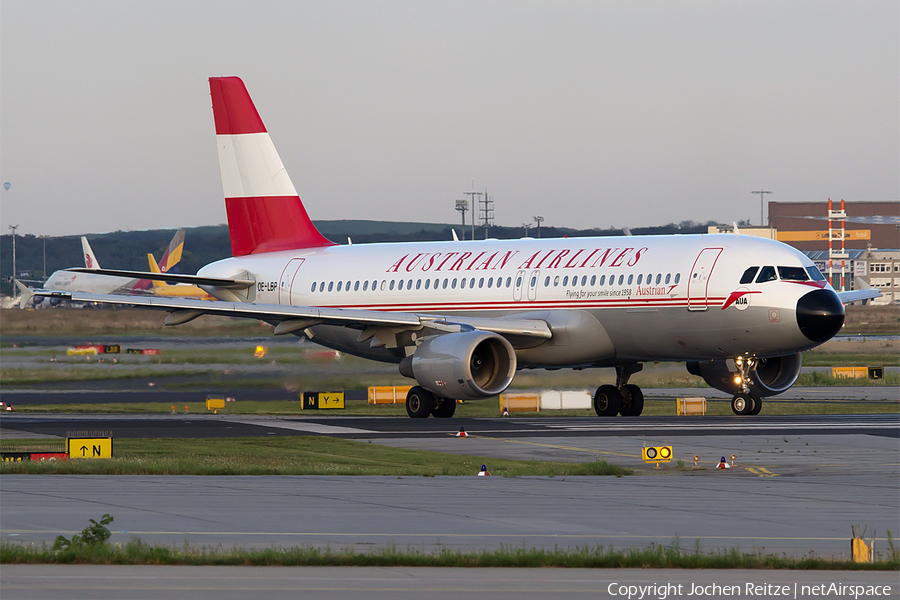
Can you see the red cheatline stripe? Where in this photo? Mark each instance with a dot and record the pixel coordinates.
(530, 305)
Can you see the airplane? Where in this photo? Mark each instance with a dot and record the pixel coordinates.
(90, 280)
(461, 318)
(162, 288)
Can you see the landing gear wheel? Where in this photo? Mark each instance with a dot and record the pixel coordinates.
(632, 401)
(742, 404)
(607, 401)
(443, 408)
(757, 405)
(419, 403)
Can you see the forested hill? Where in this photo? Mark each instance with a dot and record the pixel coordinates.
(202, 245)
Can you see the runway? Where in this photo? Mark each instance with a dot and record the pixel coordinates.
(64, 582)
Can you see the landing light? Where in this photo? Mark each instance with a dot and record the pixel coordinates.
(738, 380)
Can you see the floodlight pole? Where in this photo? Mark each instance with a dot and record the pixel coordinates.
(14, 288)
(462, 206)
(538, 220)
(473, 194)
(761, 192)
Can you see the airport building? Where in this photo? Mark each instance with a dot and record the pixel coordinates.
(871, 236)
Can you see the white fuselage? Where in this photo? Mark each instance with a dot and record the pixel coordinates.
(647, 297)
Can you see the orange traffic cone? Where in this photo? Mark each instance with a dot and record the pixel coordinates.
(483, 472)
(462, 432)
(722, 464)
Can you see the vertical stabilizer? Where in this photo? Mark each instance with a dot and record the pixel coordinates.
(173, 253)
(90, 261)
(265, 213)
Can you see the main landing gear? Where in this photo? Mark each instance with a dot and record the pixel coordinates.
(623, 398)
(420, 403)
(745, 403)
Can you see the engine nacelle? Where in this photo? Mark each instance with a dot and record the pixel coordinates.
(464, 366)
(771, 376)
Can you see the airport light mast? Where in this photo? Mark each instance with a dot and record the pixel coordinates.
(538, 221)
(761, 192)
(462, 206)
(14, 288)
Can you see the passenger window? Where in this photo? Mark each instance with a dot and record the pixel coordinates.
(792, 274)
(519, 281)
(534, 281)
(630, 279)
(437, 283)
(556, 280)
(340, 283)
(677, 277)
(313, 287)
(766, 274)
(453, 284)
(566, 280)
(418, 284)
(445, 284)
(658, 277)
(481, 282)
(603, 280)
(462, 283)
(472, 283)
(547, 281)
(815, 274)
(584, 280)
(366, 285)
(621, 279)
(668, 278)
(356, 286)
(374, 285)
(594, 280)
(330, 285)
(509, 282)
(749, 274)
(392, 284)
(427, 283)
(640, 279)
(383, 284)
(347, 287)
(490, 281)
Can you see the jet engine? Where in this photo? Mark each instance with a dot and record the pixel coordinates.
(464, 366)
(771, 375)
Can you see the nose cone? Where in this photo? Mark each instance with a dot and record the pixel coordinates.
(820, 315)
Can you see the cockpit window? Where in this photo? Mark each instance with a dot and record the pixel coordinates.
(793, 274)
(815, 274)
(766, 274)
(747, 277)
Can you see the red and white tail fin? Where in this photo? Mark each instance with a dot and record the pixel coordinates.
(265, 213)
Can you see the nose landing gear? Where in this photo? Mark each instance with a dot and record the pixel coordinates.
(743, 402)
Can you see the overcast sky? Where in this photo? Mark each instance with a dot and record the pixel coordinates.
(592, 114)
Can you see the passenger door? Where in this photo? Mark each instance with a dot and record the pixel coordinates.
(698, 281)
(288, 277)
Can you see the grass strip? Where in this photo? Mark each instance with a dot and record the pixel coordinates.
(290, 455)
(137, 552)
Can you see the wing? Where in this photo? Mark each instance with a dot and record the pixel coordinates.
(228, 284)
(288, 319)
(864, 292)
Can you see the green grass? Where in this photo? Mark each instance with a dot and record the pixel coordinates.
(851, 359)
(817, 379)
(137, 552)
(300, 455)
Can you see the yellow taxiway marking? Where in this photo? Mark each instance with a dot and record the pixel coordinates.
(762, 472)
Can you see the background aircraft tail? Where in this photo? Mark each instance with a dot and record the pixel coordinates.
(264, 211)
(90, 261)
(173, 253)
